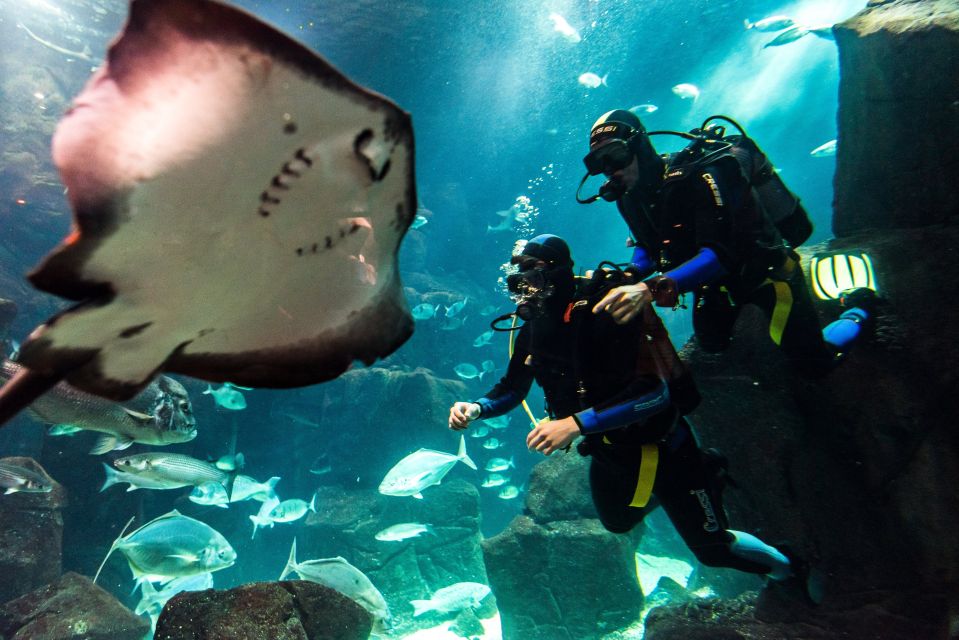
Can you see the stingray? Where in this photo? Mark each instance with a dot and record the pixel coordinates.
(238, 206)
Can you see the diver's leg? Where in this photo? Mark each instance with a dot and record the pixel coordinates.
(689, 491)
(612, 488)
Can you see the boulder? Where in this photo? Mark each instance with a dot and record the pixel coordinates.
(31, 536)
(884, 616)
(71, 608)
(568, 579)
(898, 156)
(287, 610)
(559, 489)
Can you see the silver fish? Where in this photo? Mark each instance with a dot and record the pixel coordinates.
(772, 23)
(14, 478)
(466, 371)
(499, 464)
(592, 80)
(824, 150)
(153, 600)
(172, 546)
(493, 443)
(337, 573)
(403, 531)
(508, 492)
(499, 422)
(292, 510)
(135, 481)
(452, 598)
(479, 432)
(160, 414)
(425, 311)
(483, 339)
(422, 469)
(456, 307)
(262, 517)
(494, 480)
(227, 396)
(789, 35)
(175, 468)
(246, 488)
(210, 493)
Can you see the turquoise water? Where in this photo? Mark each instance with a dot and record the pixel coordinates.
(500, 117)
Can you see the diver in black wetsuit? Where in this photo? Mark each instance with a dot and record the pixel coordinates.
(623, 387)
(700, 225)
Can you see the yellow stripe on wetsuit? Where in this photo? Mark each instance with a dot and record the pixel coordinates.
(647, 475)
(784, 302)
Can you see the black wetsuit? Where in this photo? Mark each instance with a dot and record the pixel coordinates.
(603, 374)
(713, 207)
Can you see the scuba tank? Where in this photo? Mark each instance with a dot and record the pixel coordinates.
(780, 205)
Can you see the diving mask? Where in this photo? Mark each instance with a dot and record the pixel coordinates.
(608, 158)
(529, 287)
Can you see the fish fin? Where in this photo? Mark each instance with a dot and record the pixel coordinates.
(420, 607)
(236, 386)
(9, 491)
(138, 415)
(113, 548)
(602, 80)
(272, 481)
(461, 454)
(189, 557)
(313, 503)
(222, 506)
(747, 23)
(209, 389)
(110, 442)
(239, 461)
(418, 496)
(291, 563)
(111, 478)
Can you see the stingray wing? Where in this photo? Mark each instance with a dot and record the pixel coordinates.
(238, 208)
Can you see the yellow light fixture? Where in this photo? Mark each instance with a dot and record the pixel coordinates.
(833, 274)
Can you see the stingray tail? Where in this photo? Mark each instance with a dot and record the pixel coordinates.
(22, 389)
(113, 548)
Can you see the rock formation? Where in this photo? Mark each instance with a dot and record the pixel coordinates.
(31, 535)
(70, 607)
(288, 610)
(581, 577)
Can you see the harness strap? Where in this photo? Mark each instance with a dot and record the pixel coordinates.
(784, 299)
(647, 475)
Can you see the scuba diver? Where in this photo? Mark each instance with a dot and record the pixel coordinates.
(715, 219)
(623, 387)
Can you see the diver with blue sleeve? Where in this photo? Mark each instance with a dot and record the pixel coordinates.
(623, 387)
(715, 220)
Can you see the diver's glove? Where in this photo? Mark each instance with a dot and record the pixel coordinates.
(665, 291)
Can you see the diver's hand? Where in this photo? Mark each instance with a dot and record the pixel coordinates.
(624, 303)
(462, 413)
(552, 435)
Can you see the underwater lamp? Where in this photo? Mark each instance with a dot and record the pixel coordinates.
(832, 274)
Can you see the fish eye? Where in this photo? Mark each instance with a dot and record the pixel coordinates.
(184, 406)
